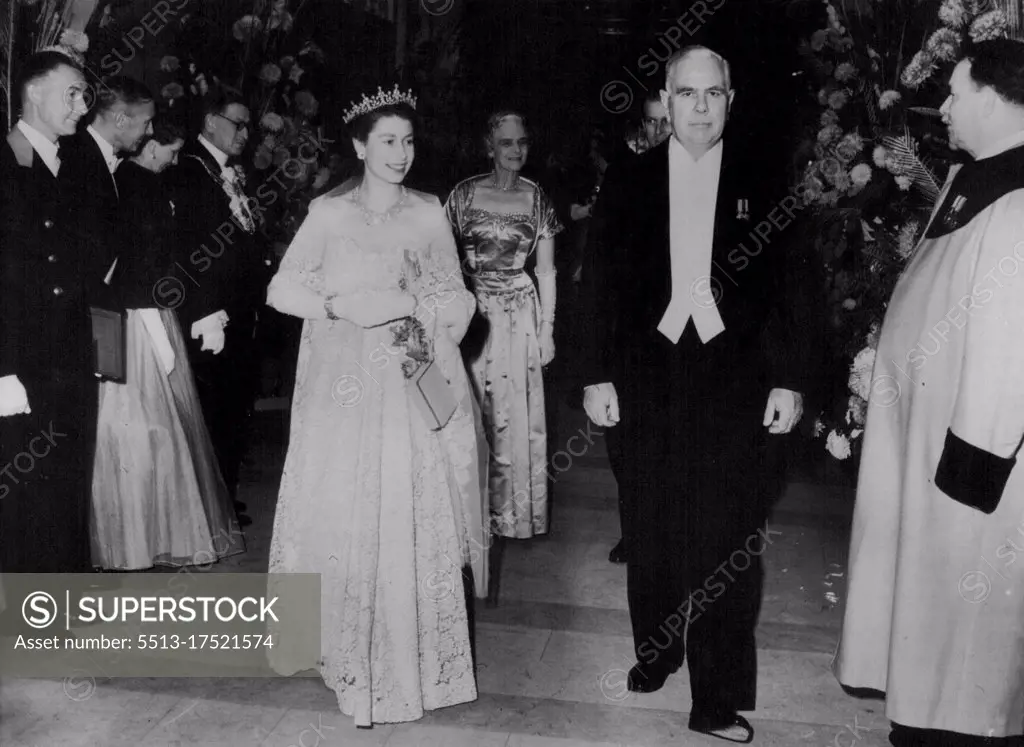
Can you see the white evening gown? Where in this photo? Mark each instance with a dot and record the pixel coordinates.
(385, 509)
(158, 497)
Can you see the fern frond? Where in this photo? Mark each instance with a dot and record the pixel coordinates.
(910, 162)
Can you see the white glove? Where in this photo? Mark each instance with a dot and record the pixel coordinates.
(602, 404)
(211, 329)
(13, 397)
(374, 309)
(213, 340)
(450, 311)
(579, 212)
(547, 343)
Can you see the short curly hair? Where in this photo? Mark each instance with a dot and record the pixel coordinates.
(999, 64)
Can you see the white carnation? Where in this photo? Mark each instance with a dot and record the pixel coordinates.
(888, 98)
(860, 174)
(856, 410)
(860, 373)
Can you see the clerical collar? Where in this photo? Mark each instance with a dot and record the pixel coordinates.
(41, 144)
(221, 156)
(106, 149)
(1002, 145)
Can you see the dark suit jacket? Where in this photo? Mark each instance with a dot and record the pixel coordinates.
(95, 213)
(46, 341)
(222, 266)
(765, 280)
(148, 220)
(45, 332)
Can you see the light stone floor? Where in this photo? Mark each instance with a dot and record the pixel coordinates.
(552, 655)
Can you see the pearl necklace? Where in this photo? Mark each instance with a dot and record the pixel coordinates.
(373, 218)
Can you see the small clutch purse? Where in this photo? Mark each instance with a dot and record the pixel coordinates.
(433, 396)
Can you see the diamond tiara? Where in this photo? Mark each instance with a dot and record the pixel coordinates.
(381, 99)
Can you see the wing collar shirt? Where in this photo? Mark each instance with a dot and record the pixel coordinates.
(46, 150)
(219, 155)
(693, 196)
(107, 150)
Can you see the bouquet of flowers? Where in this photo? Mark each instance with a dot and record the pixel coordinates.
(874, 169)
(409, 334)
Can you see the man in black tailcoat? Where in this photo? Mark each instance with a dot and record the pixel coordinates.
(701, 360)
(48, 393)
(120, 120)
(223, 275)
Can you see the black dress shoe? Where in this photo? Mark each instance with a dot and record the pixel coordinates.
(618, 553)
(649, 678)
(730, 727)
(240, 507)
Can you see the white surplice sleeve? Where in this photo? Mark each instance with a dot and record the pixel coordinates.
(987, 425)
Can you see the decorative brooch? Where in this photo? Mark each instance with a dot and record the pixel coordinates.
(743, 209)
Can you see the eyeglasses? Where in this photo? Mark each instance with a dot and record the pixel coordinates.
(239, 125)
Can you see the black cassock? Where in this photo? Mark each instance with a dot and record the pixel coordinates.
(45, 340)
(699, 470)
(220, 267)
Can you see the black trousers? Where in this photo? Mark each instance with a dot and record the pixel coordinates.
(697, 475)
(613, 444)
(46, 459)
(226, 384)
(694, 575)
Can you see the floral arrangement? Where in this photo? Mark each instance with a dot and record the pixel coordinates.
(277, 75)
(411, 337)
(409, 334)
(874, 168)
(959, 21)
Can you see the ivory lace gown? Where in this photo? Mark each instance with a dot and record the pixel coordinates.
(386, 510)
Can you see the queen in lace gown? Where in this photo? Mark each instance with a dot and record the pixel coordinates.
(385, 508)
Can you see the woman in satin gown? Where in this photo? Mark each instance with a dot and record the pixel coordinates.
(503, 223)
(158, 496)
(376, 498)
